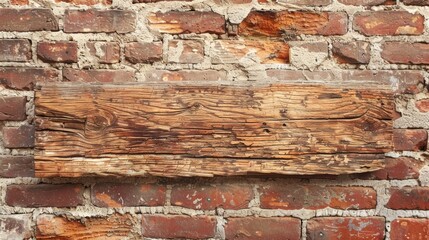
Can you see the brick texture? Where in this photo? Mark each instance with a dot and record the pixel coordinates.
(18, 137)
(13, 108)
(406, 53)
(212, 197)
(315, 197)
(24, 20)
(409, 228)
(358, 52)
(25, 78)
(396, 169)
(410, 139)
(159, 226)
(15, 50)
(17, 226)
(105, 52)
(16, 166)
(106, 76)
(409, 198)
(143, 52)
(97, 21)
(65, 52)
(44, 195)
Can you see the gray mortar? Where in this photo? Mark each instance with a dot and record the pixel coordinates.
(247, 69)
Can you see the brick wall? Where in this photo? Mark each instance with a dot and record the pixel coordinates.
(348, 42)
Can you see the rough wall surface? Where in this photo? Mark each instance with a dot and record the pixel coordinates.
(349, 42)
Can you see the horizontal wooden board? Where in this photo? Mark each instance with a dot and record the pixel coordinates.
(137, 130)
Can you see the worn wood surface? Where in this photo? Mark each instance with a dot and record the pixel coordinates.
(136, 130)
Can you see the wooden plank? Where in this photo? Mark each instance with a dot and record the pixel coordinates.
(138, 130)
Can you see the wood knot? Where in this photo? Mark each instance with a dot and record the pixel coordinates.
(97, 122)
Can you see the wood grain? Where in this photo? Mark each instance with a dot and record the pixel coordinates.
(138, 130)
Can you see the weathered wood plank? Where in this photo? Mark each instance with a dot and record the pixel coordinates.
(206, 131)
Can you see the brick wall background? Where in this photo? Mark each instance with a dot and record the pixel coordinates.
(380, 43)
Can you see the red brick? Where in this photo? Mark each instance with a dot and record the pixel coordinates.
(406, 53)
(346, 228)
(44, 195)
(263, 228)
(409, 82)
(26, 20)
(136, 52)
(18, 137)
(105, 76)
(96, 21)
(300, 2)
(86, 2)
(187, 22)
(410, 139)
(104, 52)
(15, 50)
(396, 169)
(25, 78)
(409, 228)
(277, 24)
(16, 166)
(185, 75)
(409, 198)
(17, 226)
(388, 23)
(232, 51)
(423, 105)
(185, 51)
(12, 108)
(65, 52)
(212, 197)
(368, 2)
(124, 194)
(19, 2)
(178, 226)
(416, 2)
(112, 227)
(289, 197)
(357, 52)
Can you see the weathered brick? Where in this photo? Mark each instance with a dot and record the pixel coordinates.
(124, 194)
(187, 22)
(221, 2)
(423, 105)
(406, 53)
(25, 78)
(92, 20)
(409, 228)
(185, 51)
(368, 2)
(104, 52)
(357, 52)
(18, 137)
(232, 51)
(286, 196)
(185, 75)
(12, 108)
(153, 1)
(111, 227)
(25, 20)
(211, 197)
(17, 226)
(388, 23)
(19, 2)
(16, 166)
(396, 169)
(86, 2)
(263, 228)
(410, 139)
(409, 198)
(178, 226)
(106, 76)
(416, 2)
(300, 2)
(15, 50)
(137, 52)
(44, 195)
(65, 52)
(345, 228)
(285, 23)
(409, 82)
(308, 55)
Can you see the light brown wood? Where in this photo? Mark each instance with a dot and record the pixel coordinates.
(137, 130)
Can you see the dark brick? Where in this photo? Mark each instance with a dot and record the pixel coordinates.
(409, 198)
(12, 108)
(124, 194)
(26, 20)
(26, 78)
(64, 52)
(16, 166)
(410, 139)
(357, 52)
(18, 137)
(44, 195)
